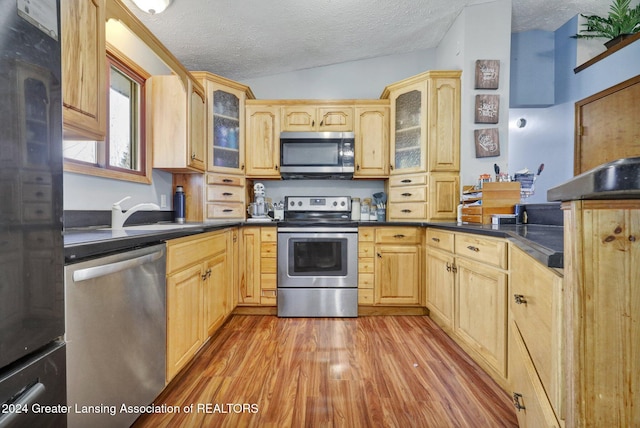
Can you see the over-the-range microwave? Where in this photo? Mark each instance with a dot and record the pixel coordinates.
(316, 155)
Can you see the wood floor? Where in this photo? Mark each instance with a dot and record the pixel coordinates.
(383, 371)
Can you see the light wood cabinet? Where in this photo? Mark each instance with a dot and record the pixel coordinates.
(466, 293)
(371, 141)
(177, 124)
(306, 117)
(268, 266)
(397, 266)
(366, 265)
(263, 140)
(225, 196)
(225, 127)
(258, 266)
(602, 312)
(83, 69)
(425, 140)
(199, 270)
(536, 342)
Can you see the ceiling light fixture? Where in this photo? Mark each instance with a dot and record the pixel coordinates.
(152, 7)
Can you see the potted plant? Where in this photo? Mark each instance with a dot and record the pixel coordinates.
(621, 22)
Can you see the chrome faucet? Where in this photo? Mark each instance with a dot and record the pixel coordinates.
(118, 217)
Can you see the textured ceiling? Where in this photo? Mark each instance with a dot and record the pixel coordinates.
(250, 38)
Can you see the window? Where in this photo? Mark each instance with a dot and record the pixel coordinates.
(123, 153)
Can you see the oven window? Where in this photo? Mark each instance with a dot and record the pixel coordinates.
(317, 256)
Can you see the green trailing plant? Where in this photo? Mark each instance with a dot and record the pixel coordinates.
(622, 19)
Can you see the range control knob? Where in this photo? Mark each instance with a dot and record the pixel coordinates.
(335, 204)
(292, 203)
(299, 203)
(342, 204)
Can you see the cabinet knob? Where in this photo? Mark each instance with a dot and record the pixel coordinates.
(391, 167)
(519, 299)
(242, 167)
(276, 167)
(357, 167)
(379, 255)
(448, 267)
(193, 156)
(516, 401)
(322, 123)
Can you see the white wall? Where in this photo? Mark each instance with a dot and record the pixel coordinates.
(86, 192)
(364, 79)
(480, 32)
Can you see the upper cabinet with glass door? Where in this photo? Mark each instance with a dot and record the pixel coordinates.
(408, 129)
(225, 123)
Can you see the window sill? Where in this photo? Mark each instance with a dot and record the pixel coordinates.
(606, 53)
(107, 173)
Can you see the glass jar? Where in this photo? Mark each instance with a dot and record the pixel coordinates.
(364, 209)
(355, 209)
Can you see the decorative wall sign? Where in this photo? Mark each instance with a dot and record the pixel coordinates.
(487, 73)
(487, 108)
(487, 142)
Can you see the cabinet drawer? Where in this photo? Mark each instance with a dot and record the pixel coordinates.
(365, 249)
(471, 219)
(226, 180)
(440, 239)
(187, 252)
(36, 177)
(365, 234)
(408, 194)
(396, 235)
(365, 265)
(268, 281)
(407, 180)
(407, 210)
(36, 193)
(268, 297)
(268, 249)
(36, 212)
(225, 210)
(472, 210)
(268, 234)
(365, 296)
(268, 265)
(488, 251)
(365, 280)
(217, 193)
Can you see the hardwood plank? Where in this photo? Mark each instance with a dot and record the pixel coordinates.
(327, 372)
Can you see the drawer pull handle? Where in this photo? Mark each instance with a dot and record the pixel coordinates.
(193, 156)
(516, 401)
(472, 248)
(406, 180)
(398, 236)
(407, 194)
(206, 274)
(519, 299)
(449, 267)
(379, 255)
(227, 210)
(406, 211)
(435, 239)
(227, 194)
(357, 167)
(276, 167)
(227, 180)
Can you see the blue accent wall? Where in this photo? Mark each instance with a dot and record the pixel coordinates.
(548, 136)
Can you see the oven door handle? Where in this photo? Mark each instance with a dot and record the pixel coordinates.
(315, 229)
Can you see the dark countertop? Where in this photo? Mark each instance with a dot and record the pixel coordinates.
(542, 242)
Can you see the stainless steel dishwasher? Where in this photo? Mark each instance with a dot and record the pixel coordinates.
(116, 335)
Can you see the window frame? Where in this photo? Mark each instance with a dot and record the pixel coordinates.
(102, 169)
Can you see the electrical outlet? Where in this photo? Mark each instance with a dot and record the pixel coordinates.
(163, 201)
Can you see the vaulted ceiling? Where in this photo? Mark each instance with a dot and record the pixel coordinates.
(251, 38)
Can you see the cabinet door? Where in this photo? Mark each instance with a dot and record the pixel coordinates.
(299, 118)
(397, 275)
(215, 291)
(226, 130)
(532, 406)
(444, 124)
(197, 156)
(372, 141)
(263, 141)
(440, 287)
(234, 236)
(336, 119)
(481, 313)
(83, 68)
(444, 196)
(249, 293)
(184, 317)
(408, 129)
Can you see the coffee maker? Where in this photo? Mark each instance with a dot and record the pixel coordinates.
(259, 208)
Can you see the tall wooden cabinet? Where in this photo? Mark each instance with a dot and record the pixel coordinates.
(177, 118)
(425, 140)
(83, 68)
(263, 140)
(602, 312)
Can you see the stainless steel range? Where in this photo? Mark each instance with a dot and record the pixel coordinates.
(317, 258)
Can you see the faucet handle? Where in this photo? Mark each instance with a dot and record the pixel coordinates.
(117, 204)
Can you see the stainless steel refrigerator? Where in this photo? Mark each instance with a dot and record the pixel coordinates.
(32, 351)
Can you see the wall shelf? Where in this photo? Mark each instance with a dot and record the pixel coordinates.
(608, 52)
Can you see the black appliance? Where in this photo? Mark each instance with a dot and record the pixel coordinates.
(32, 351)
(317, 155)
